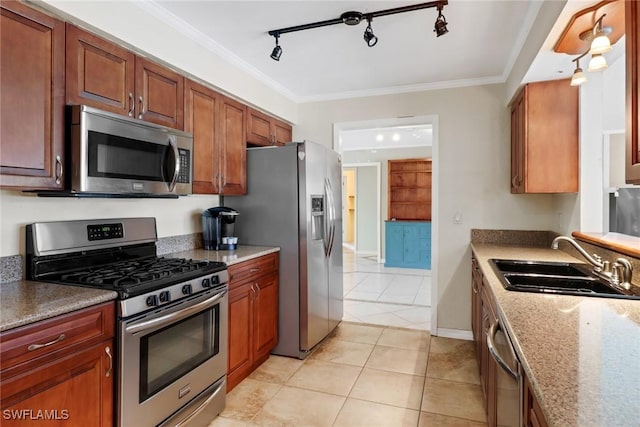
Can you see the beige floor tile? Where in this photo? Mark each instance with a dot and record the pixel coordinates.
(453, 399)
(359, 413)
(453, 360)
(296, 408)
(327, 377)
(405, 338)
(227, 422)
(357, 333)
(390, 388)
(277, 369)
(246, 400)
(428, 419)
(413, 362)
(338, 351)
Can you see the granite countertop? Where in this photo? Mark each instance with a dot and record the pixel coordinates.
(581, 354)
(241, 254)
(26, 301)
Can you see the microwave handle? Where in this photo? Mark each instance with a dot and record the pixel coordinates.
(176, 156)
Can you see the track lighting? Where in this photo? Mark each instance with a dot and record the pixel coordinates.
(354, 18)
(277, 51)
(440, 27)
(578, 75)
(597, 63)
(601, 43)
(369, 37)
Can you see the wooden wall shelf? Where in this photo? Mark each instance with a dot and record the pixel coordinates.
(409, 189)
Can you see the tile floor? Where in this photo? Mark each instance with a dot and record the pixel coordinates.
(378, 295)
(364, 375)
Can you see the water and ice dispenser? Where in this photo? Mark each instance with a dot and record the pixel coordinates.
(317, 217)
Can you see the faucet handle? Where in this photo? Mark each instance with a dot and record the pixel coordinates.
(598, 260)
(606, 265)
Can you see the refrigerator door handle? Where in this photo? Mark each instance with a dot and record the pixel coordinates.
(332, 217)
(327, 231)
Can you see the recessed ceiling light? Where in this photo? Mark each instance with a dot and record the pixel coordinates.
(379, 137)
(396, 137)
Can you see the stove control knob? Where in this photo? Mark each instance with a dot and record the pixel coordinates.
(206, 283)
(215, 280)
(187, 290)
(152, 300)
(165, 296)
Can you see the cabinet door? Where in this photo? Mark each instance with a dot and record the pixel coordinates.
(240, 349)
(100, 73)
(282, 131)
(533, 415)
(159, 94)
(476, 307)
(233, 146)
(259, 130)
(32, 101)
(394, 244)
(411, 244)
(77, 388)
(201, 121)
(265, 321)
(632, 16)
(517, 143)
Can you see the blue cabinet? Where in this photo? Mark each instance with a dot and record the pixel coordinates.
(408, 244)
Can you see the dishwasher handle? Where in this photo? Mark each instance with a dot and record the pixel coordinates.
(491, 334)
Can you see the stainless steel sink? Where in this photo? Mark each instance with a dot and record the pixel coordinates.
(555, 278)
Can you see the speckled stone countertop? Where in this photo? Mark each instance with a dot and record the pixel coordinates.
(581, 354)
(242, 253)
(26, 301)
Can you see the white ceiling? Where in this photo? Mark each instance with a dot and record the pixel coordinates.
(484, 39)
(386, 137)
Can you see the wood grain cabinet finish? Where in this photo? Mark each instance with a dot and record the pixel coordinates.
(544, 138)
(253, 315)
(107, 76)
(62, 365)
(264, 130)
(233, 146)
(32, 100)
(476, 306)
(409, 189)
(533, 415)
(632, 29)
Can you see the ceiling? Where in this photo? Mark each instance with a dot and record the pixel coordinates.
(386, 138)
(484, 39)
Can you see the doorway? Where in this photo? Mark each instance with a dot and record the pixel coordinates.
(402, 297)
(349, 207)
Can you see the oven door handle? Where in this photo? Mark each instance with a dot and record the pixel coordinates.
(491, 334)
(178, 315)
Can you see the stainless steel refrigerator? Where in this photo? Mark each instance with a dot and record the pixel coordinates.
(294, 198)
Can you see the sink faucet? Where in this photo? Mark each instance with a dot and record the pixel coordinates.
(618, 274)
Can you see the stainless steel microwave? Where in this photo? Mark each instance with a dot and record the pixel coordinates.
(113, 154)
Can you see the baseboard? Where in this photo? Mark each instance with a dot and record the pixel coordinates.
(366, 253)
(454, 333)
(349, 246)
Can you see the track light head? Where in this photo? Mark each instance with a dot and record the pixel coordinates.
(369, 37)
(440, 27)
(277, 51)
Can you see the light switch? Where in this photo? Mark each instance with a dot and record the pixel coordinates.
(457, 217)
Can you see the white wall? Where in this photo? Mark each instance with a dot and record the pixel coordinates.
(366, 206)
(474, 155)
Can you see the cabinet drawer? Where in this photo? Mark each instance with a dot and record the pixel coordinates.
(92, 324)
(253, 268)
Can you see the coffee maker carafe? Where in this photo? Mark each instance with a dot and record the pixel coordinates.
(218, 228)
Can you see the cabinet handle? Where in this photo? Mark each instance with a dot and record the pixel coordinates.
(253, 291)
(108, 351)
(131, 104)
(59, 169)
(141, 107)
(514, 181)
(47, 344)
(254, 270)
(257, 289)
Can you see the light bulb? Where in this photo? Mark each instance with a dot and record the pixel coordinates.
(597, 63)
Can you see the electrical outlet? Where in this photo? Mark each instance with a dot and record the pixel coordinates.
(457, 217)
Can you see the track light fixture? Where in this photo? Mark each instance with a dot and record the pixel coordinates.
(601, 43)
(369, 37)
(440, 27)
(579, 76)
(354, 18)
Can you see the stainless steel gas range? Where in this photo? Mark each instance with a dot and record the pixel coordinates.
(172, 315)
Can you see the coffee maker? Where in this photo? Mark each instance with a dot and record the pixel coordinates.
(218, 228)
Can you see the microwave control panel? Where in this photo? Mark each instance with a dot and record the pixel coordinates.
(105, 231)
(184, 176)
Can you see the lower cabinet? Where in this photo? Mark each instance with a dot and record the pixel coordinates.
(60, 370)
(483, 316)
(407, 244)
(253, 315)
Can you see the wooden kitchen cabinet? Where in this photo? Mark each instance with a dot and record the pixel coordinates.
(632, 29)
(233, 146)
(407, 244)
(32, 100)
(104, 75)
(533, 416)
(64, 366)
(264, 130)
(253, 315)
(544, 138)
(476, 306)
(409, 189)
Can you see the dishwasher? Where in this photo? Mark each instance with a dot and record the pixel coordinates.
(509, 379)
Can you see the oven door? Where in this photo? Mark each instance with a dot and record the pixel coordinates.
(170, 356)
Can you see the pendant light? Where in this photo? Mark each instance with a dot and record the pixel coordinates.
(601, 43)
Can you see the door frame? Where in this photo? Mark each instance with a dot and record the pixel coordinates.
(378, 206)
(432, 120)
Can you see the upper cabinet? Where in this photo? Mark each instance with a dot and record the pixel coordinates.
(104, 75)
(32, 101)
(632, 16)
(544, 138)
(264, 130)
(409, 190)
(233, 146)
